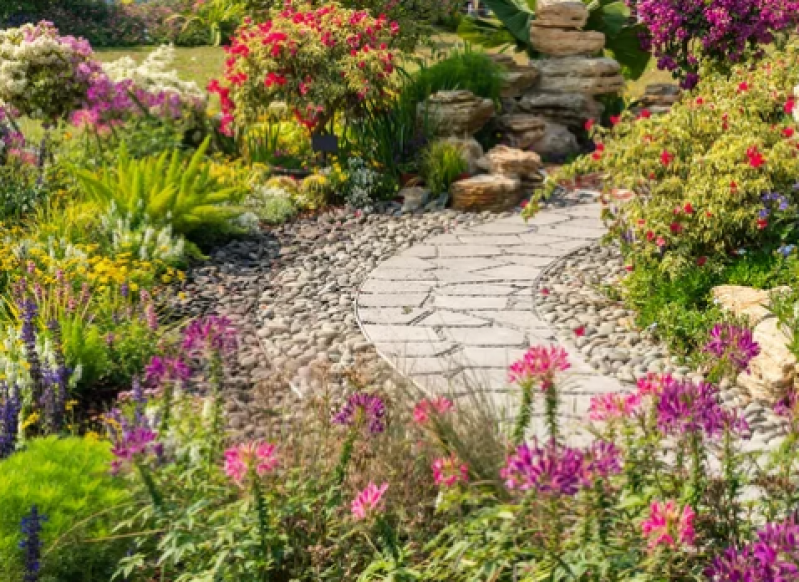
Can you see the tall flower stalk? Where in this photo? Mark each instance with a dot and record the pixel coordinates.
(31, 543)
(10, 408)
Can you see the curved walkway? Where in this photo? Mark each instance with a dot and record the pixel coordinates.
(453, 312)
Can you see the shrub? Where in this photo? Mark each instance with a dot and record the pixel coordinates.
(44, 75)
(686, 33)
(714, 178)
(322, 62)
(442, 164)
(273, 205)
(165, 190)
(68, 481)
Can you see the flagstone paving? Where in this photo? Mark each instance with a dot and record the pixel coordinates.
(452, 313)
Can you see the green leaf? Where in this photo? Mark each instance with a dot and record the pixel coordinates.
(626, 48)
(515, 15)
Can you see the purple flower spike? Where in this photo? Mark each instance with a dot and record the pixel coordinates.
(685, 407)
(363, 407)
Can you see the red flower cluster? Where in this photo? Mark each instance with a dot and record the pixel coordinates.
(756, 159)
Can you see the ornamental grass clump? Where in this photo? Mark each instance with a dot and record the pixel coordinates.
(322, 62)
(709, 181)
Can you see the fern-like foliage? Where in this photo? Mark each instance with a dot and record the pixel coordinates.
(165, 189)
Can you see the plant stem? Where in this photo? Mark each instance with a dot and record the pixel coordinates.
(551, 402)
(525, 414)
(263, 524)
(149, 484)
(340, 474)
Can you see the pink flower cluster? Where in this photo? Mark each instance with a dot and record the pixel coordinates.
(668, 525)
(612, 406)
(539, 366)
(369, 501)
(245, 459)
(427, 409)
(448, 471)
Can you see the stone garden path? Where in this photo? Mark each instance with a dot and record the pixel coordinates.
(453, 312)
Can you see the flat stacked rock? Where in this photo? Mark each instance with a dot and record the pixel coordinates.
(516, 78)
(486, 192)
(582, 75)
(556, 30)
(659, 97)
(514, 163)
(570, 110)
(521, 130)
(455, 113)
(470, 148)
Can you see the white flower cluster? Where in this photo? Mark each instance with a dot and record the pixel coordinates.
(155, 75)
(13, 360)
(362, 184)
(146, 242)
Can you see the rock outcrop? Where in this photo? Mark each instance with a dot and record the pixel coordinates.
(491, 192)
(521, 130)
(455, 113)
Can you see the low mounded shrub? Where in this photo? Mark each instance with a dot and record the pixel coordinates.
(68, 481)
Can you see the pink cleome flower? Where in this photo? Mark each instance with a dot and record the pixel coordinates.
(605, 407)
(447, 471)
(368, 501)
(427, 408)
(668, 525)
(257, 456)
(539, 364)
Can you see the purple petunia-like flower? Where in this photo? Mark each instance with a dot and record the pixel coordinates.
(550, 469)
(773, 556)
(733, 344)
(686, 407)
(365, 408)
(210, 333)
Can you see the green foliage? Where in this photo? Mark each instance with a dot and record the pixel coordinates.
(713, 179)
(442, 164)
(20, 190)
(272, 204)
(513, 18)
(166, 190)
(466, 69)
(68, 480)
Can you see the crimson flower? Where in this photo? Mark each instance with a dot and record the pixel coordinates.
(756, 159)
(675, 227)
(762, 223)
(645, 114)
(589, 124)
(615, 119)
(666, 158)
(788, 132)
(743, 87)
(790, 105)
(700, 262)
(689, 209)
(580, 331)
(596, 156)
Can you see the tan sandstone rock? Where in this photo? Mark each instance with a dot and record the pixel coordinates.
(471, 150)
(558, 42)
(511, 162)
(490, 192)
(591, 76)
(516, 81)
(562, 14)
(521, 130)
(455, 113)
(744, 301)
(571, 110)
(772, 373)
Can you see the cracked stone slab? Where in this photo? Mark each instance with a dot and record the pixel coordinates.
(391, 315)
(454, 312)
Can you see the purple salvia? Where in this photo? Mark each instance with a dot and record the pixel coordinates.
(31, 543)
(10, 408)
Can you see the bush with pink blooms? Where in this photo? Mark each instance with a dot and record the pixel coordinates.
(323, 62)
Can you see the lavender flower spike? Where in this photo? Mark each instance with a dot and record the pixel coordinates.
(31, 544)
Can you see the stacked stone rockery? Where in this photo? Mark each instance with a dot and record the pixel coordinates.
(569, 76)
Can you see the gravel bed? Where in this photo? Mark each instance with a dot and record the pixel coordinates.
(573, 297)
(290, 292)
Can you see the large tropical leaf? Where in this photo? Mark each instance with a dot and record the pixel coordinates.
(625, 47)
(607, 16)
(488, 34)
(515, 15)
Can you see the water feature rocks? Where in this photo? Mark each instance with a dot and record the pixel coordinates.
(558, 142)
(471, 150)
(521, 130)
(571, 110)
(592, 76)
(511, 162)
(456, 113)
(558, 42)
(492, 192)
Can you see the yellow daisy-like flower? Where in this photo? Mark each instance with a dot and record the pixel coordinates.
(30, 421)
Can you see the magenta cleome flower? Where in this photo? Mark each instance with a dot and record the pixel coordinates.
(369, 501)
(448, 471)
(430, 408)
(685, 407)
(603, 459)
(653, 384)
(551, 469)
(161, 370)
(134, 446)
(774, 555)
(613, 406)
(733, 344)
(250, 458)
(210, 333)
(539, 365)
(362, 407)
(668, 525)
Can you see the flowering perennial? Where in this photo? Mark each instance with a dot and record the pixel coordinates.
(364, 408)
(255, 458)
(774, 555)
(605, 407)
(733, 344)
(426, 409)
(539, 365)
(369, 501)
(668, 525)
(448, 471)
(687, 407)
(548, 469)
